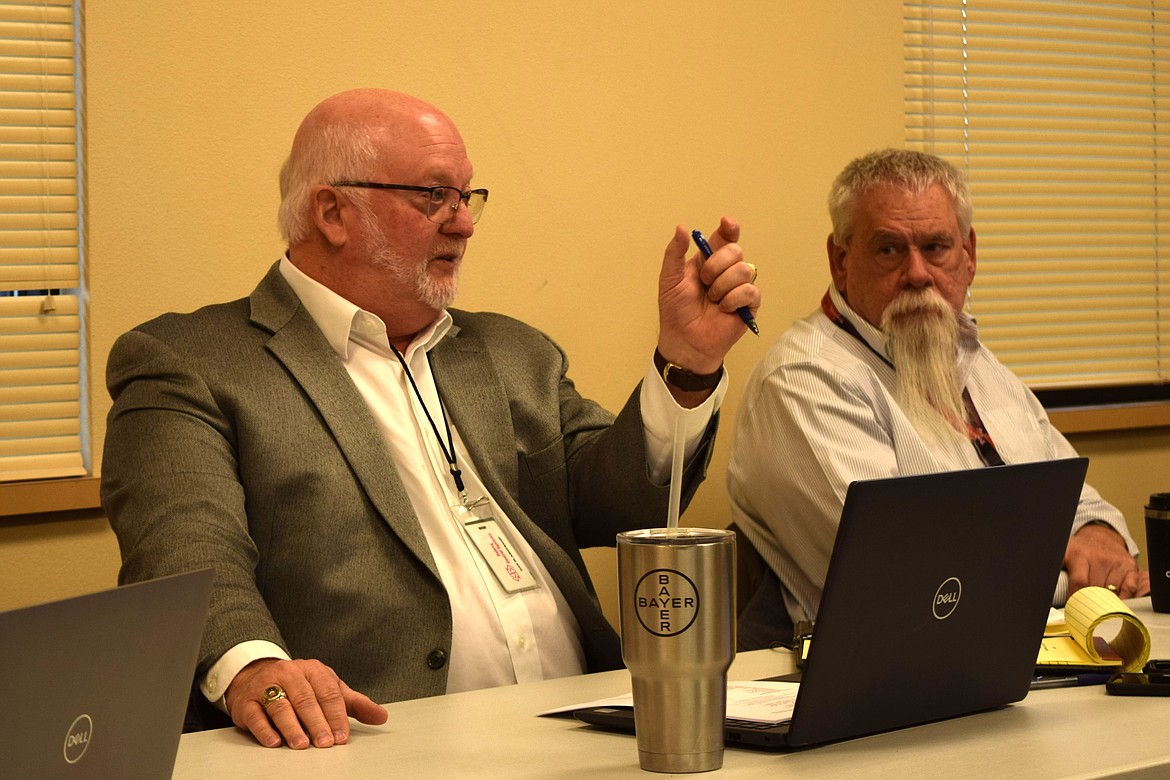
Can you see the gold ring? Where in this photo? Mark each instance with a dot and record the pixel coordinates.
(1112, 588)
(755, 272)
(272, 693)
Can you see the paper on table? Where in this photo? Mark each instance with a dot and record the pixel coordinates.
(1072, 641)
(762, 701)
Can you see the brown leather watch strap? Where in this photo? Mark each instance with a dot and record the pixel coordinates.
(679, 377)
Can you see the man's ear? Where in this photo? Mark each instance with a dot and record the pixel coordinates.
(836, 262)
(330, 212)
(970, 247)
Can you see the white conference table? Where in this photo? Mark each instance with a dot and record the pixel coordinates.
(1056, 733)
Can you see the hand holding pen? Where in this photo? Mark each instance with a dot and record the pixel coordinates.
(744, 312)
(698, 295)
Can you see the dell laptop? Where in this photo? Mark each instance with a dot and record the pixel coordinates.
(934, 606)
(97, 686)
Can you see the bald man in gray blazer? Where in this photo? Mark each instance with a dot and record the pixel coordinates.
(251, 437)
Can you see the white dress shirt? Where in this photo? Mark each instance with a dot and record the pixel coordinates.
(498, 638)
(819, 412)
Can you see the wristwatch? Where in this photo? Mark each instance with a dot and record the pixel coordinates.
(682, 379)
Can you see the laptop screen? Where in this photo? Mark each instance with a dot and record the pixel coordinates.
(96, 686)
(936, 597)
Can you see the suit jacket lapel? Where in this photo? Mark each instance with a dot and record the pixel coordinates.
(298, 343)
(473, 396)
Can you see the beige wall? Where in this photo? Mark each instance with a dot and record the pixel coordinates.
(597, 126)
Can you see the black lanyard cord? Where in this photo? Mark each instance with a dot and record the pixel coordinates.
(456, 474)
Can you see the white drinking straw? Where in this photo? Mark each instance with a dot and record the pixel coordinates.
(676, 468)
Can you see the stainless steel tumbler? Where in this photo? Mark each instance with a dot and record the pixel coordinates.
(677, 604)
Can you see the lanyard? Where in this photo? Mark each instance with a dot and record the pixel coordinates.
(976, 431)
(484, 532)
(449, 454)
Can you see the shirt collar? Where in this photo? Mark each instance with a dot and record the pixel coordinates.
(872, 336)
(343, 322)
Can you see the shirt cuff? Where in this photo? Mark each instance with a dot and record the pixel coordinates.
(660, 414)
(215, 683)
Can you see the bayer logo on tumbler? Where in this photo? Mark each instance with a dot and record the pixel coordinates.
(666, 602)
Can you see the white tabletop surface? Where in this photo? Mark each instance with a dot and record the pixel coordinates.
(1059, 733)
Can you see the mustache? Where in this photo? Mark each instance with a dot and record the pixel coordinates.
(916, 304)
(453, 249)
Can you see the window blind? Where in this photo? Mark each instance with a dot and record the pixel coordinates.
(40, 278)
(1058, 114)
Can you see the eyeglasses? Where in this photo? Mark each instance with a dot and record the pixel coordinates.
(442, 202)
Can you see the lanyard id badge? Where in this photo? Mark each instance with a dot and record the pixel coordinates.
(489, 539)
(484, 531)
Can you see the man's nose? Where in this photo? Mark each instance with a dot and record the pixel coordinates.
(917, 271)
(460, 224)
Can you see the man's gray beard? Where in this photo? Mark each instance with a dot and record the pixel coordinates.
(429, 292)
(922, 333)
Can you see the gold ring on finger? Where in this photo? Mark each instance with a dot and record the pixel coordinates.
(271, 694)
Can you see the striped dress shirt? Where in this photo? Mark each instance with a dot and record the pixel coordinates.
(819, 412)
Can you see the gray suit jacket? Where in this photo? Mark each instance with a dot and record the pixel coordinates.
(237, 440)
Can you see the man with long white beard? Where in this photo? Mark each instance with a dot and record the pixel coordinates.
(888, 378)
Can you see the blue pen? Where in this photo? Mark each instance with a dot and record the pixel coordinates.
(744, 312)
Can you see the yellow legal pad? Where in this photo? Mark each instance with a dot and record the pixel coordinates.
(1070, 639)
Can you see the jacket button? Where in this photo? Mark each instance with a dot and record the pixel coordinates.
(437, 659)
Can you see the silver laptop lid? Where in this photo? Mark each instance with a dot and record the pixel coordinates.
(96, 686)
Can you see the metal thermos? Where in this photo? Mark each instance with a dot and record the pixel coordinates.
(677, 603)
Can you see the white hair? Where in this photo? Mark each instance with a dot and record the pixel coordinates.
(914, 170)
(333, 153)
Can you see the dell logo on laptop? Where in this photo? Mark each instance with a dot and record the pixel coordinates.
(77, 738)
(946, 598)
